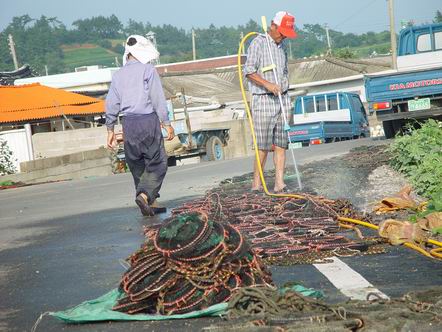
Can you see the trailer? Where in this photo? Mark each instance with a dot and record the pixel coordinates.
(207, 143)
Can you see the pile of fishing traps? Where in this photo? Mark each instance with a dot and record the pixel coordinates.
(191, 262)
(284, 230)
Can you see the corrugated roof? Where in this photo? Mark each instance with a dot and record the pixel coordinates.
(223, 84)
(312, 70)
(52, 112)
(210, 85)
(36, 96)
(36, 102)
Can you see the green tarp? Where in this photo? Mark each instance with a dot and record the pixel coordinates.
(100, 309)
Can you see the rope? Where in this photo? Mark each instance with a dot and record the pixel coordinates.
(39, 319)
(290, 311)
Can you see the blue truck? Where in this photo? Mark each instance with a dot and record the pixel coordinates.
(413, 92)
(327, 117)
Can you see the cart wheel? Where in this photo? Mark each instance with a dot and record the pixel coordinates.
(214, 148)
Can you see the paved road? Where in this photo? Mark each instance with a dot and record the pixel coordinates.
(61, 243)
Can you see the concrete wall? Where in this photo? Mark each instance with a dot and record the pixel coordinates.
(70, 141)
(71, 166)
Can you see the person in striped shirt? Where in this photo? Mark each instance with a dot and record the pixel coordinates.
(266, 110)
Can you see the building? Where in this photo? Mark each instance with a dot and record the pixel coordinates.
(8, 77)
(29, 109)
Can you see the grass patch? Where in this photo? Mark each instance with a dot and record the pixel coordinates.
(362, 51)
(88, 56)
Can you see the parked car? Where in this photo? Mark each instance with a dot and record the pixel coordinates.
(329, 117)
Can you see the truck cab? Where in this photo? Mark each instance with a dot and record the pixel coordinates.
(413, 93)
(420, 47)
(329, 117)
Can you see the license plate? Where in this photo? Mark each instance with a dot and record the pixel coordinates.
(296, 145)
(419, 104)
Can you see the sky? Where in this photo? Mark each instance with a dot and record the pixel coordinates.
(357, 16)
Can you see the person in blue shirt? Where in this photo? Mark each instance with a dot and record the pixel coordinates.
(137, 94)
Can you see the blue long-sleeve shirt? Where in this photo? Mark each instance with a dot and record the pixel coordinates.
(135, 89)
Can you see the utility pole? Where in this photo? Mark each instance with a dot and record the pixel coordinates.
(28, 128)
(290, 50)
(328, 39)
(241, 37)
(12, 47)
(193, 45)
(152, 37)
(392, 34)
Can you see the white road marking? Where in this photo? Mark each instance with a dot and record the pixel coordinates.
(347, 280)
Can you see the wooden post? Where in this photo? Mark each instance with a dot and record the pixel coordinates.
(186, 115)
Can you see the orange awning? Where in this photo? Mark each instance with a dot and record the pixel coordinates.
(36, 102)
(53, 112)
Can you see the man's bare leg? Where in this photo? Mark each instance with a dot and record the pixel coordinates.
(256, 185)
(279, 160)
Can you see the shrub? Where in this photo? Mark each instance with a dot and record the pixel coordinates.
(6, 159)
(418, 155)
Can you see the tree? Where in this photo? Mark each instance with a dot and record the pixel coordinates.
(99, 27)
(6, 159)
(39, 41)
(344, 53)
(438, 17)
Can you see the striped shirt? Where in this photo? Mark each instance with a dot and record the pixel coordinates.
(258, 58)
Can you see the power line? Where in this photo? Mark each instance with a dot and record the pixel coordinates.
(356, 12)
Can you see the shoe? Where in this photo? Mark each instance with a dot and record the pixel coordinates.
(146, 210)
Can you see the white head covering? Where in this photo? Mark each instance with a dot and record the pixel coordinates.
(143, 50)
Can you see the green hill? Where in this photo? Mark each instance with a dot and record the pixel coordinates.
(88, 55)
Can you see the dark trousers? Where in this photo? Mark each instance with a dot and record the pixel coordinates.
(145, 153)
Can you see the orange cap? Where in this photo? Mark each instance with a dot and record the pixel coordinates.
(286, 24)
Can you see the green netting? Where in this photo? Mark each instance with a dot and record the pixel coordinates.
(100, 309)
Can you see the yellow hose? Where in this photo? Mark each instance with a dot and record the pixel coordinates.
(437, 252)
(433, 253)
(434, 242)
(359, 222)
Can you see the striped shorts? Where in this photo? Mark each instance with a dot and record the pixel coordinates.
(269, 122)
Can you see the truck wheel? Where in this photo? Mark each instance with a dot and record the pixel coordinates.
(214, 148)
(388, 129)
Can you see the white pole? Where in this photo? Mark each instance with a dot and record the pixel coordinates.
(328, 39)
(193, 45)
(12, 47)
(29, 141)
